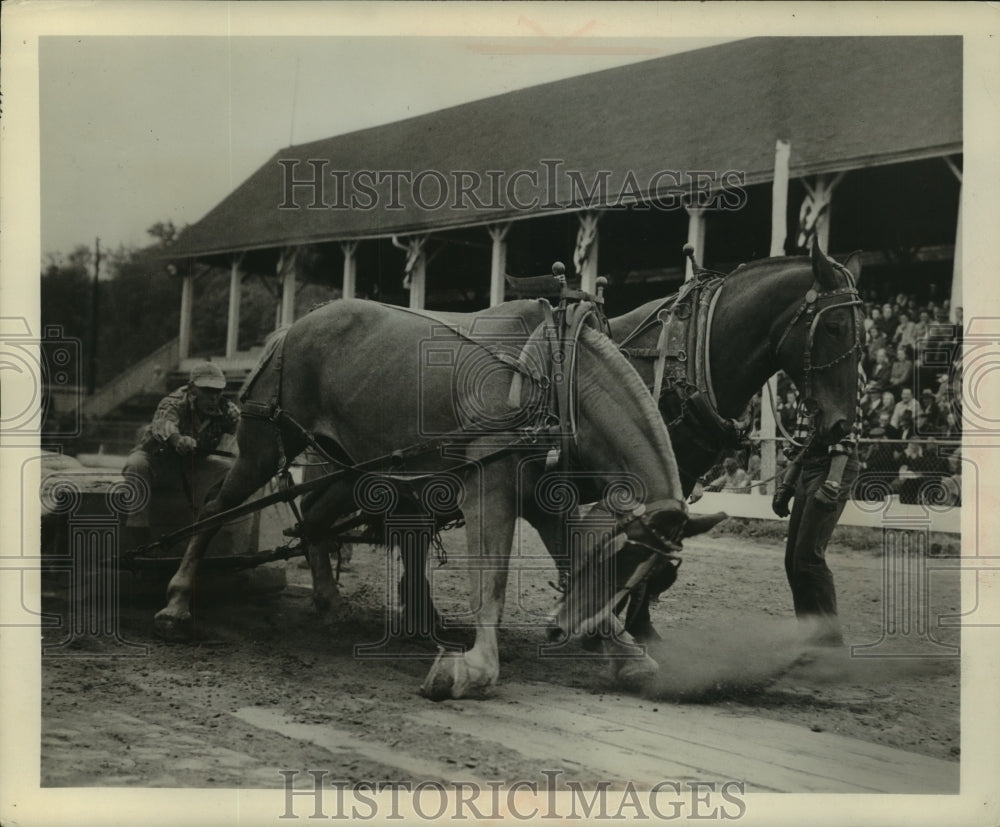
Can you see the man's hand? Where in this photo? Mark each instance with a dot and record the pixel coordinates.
(186, 445)
(826, 496)
(779, 503)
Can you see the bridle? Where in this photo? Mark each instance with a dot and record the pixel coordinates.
(815, 304)
(695, 389)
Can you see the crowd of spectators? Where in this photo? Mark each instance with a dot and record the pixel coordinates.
(911, 410)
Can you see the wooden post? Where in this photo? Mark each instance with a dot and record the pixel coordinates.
(187, 308)
(956, 269)
(418, 282)
(779, 231)
(585, 256)
(956, 266)
(415, 269)
(779, 197)
(349, 288)
(498, 264)
(816, 208)
(233, 320)
(287, 273)
(696, 238)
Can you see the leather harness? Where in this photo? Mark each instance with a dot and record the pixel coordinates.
(681, 363)
(260, 398)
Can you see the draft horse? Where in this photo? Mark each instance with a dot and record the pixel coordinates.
(705, 351)
(370, 381)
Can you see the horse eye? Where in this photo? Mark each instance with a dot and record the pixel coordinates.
(832, 327)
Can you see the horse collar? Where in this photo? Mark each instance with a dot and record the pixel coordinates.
(682, 363)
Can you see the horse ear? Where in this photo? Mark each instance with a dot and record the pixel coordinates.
(853, 264)
(822, 268)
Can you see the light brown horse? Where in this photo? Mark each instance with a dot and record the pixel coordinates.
(757, 330)
(371, 380)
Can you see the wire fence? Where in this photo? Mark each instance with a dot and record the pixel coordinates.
(914, 471)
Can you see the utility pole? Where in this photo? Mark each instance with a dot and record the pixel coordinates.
(94, 308)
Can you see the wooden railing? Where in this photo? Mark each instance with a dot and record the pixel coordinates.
(146, 375)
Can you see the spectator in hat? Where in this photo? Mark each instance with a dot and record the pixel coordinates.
(889, 320)
(907, 426)
(173, 453)
(922, 327)
(906, 403)
(880, 376)
(881, 457)
(871, 404)
(911, 470)
(928, 417)
(875, 342)
(884, 429)
(901, 372)
(905, 331)
(887, 402)
(873, 320)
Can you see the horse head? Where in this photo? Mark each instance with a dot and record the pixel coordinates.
(818, 344)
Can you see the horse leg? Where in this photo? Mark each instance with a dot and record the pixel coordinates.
(256, 464)
(326, 593)
(420, 618)
(630, 666)
(629, 663)
(320, 509)
(489, 528)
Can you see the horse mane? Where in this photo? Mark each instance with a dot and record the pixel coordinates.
(271, 344)
(632, 383)
(750, 266)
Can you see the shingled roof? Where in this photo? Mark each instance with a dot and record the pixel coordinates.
(844, 103)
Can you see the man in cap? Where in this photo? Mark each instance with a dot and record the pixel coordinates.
(173, 453)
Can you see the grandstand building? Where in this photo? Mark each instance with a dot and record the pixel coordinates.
(743, 149)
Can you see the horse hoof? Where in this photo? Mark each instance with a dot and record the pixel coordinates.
(440, 681)
(169, 626)
(437, 687)
(634, 675)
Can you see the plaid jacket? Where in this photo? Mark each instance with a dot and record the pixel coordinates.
(805, 432)
(176, 414)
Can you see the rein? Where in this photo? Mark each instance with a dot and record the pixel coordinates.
(554, 424)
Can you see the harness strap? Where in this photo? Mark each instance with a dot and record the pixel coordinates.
(681, 360)
(660, 353)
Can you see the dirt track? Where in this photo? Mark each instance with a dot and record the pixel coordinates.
(267, 687)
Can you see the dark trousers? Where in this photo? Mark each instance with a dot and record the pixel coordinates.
(809, 530)
(177, 486)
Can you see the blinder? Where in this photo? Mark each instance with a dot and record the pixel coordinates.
(813, 309)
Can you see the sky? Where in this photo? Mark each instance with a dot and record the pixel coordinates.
(138, 129)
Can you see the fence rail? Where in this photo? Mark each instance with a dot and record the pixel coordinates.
(880, 495)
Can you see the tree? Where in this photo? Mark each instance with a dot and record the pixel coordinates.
(65, 294)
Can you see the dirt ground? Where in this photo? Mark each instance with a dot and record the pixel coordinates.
(267, 686)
